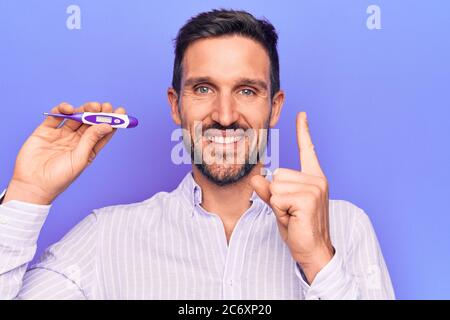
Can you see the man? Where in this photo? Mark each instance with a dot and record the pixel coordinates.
(226, 232)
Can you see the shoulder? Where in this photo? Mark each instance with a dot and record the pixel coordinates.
(152, 205)
(149, 209)
(347, 219)
(345, 211)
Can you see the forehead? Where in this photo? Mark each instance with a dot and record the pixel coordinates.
(227, 57)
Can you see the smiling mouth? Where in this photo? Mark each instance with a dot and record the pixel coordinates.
(224, 137)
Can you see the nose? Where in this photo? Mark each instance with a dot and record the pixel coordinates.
(225, 112)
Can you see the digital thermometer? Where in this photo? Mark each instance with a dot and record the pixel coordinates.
(116, 120)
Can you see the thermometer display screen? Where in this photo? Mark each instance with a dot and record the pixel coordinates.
(103, 119)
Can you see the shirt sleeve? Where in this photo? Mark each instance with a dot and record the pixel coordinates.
(20, 225)
(359, 273)
(65, 271)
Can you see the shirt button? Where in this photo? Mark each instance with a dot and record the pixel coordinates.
(3, 220)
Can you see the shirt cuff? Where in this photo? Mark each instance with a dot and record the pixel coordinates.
(331, 282)
(21, 222)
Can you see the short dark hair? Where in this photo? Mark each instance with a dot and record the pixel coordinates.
(221, 22)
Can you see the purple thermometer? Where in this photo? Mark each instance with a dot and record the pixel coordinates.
(116, 120)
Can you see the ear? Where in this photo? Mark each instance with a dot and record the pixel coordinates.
(173, 102)
(277, 105)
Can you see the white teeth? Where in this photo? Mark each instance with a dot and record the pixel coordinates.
(224, 140)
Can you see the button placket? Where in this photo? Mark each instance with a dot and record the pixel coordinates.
(230, 285)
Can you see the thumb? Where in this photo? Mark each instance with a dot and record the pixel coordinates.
(89, 139)
(261, 186)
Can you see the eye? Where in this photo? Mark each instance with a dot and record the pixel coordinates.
(247, 92)
(202, 89)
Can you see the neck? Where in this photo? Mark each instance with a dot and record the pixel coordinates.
(228, 202)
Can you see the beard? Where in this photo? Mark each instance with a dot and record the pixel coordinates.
(225, 176)
(226, 166)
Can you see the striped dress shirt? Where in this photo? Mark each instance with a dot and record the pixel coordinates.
(169, 247)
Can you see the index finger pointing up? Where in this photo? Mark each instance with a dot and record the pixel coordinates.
(308, 158)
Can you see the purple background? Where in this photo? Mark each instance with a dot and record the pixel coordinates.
(377, 102)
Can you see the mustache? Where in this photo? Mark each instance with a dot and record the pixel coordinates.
(218, 126)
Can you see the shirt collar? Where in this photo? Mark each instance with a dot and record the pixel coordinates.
(192, 193)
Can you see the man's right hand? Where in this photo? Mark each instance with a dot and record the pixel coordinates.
(52, 158)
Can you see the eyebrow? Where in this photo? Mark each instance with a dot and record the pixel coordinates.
(254, 82)
(195, 80)
(241, 81)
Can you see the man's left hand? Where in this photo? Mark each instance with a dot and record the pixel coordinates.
(299, 200)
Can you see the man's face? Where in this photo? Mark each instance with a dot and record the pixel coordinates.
(224, 101)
